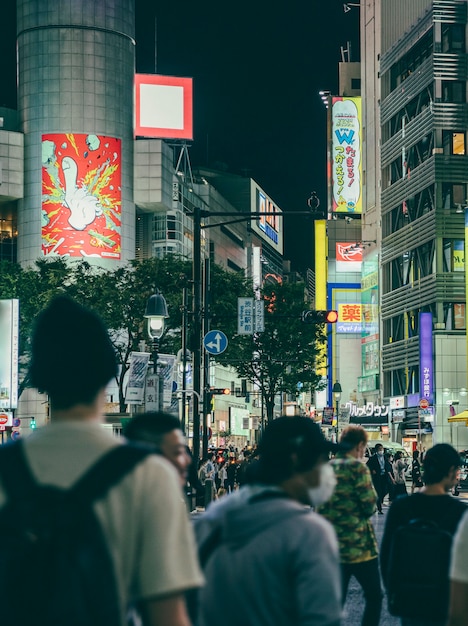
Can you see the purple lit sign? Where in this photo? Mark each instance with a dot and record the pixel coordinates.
(426, 367)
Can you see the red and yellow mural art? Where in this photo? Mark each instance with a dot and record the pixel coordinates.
(81, 196)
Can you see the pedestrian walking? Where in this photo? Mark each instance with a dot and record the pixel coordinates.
(138, 517)
(268, 558)
(458, 608)
(416, 475)
(379, 470)
(400, 467)
(419, 531)
(349, 510)
(390, 476)
(164, 432)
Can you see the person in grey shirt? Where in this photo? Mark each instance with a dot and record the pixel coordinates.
(269, 559)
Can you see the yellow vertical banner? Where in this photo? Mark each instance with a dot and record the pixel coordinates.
(321, 267)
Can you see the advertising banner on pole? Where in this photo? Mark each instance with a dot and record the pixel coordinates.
(136, 377)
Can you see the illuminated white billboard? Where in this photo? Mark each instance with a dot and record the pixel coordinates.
(269, 224)
(9, 338)
(163, 106)
(346, 154)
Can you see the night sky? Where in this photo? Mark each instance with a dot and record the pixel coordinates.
(257, 67)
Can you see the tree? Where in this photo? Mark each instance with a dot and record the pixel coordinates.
(285, 354)
(119, 296)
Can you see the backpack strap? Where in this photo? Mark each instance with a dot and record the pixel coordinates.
(107, 472)
(19, 483)
(16, 476)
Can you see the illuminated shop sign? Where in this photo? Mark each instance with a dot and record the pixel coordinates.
(81, 196)
(349, 318)
(426, 366)
(269, 224)
(163, 106)
(370, 413)
(346, 147)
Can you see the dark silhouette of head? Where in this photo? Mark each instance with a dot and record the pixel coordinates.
(290, 445)
(72, 357)
(439, 461)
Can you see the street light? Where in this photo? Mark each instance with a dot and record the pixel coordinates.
(156, 314)
(337, 393)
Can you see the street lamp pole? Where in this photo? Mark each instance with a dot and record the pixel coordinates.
(156, 314)
(337, 393)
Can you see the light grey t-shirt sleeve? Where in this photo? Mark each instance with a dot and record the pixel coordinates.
(459, 562)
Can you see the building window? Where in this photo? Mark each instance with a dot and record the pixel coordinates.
(356, 83)
(453, 38)
(454, 143)
(453, 194)
(453, 91)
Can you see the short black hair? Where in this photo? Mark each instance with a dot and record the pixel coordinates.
(151, 427)
(284, 437)
(438, 461)
(72, 357)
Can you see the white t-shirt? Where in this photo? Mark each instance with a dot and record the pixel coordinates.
(459, 561)
(144, 517)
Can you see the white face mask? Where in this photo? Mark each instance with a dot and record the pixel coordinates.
(324, 490)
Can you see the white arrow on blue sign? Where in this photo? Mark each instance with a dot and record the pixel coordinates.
(215, 342)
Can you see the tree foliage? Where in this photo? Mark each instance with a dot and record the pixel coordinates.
(119, 296)
(286, 356)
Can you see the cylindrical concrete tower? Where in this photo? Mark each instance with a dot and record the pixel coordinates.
(76, 65)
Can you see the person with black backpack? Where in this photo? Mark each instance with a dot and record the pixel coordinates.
(93, 526)
(419, 531)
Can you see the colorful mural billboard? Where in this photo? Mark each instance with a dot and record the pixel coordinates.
(81, 196)
(346, 157)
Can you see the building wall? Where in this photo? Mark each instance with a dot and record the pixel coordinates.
(76, 63)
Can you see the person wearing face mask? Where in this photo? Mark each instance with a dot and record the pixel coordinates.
(268, 558)
(349, 510)
(380, 470)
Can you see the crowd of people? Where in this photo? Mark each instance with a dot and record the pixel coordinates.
(283, 529)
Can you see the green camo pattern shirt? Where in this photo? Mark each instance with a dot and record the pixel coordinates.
(350, 508)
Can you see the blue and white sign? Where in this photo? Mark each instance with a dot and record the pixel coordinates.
(215, 342)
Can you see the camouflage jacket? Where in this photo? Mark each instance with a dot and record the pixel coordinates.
(350, 508)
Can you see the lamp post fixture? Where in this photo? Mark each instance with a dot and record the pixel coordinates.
(156, 314)
(337, 394)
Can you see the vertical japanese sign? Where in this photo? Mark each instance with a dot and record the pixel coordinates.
(245, 316)
(9, 341)
(346, 155)
(426, 361)
(81, 196)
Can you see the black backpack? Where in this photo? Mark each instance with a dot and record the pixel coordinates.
(55, 566)
(418, 571)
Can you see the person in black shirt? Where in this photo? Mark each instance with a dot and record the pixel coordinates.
(433, 503)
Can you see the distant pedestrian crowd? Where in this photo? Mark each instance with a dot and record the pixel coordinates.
(96, 531)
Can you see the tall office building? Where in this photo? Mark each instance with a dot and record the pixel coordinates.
(414, 82)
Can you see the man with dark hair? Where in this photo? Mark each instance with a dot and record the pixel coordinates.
(349, 510)
(163, 431)
(269, 559)
(380, 470)
(144, 523)
(433, 513)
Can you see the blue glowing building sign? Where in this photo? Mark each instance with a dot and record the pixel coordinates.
(426, 361)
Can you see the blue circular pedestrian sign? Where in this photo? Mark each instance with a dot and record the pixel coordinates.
(215, 342)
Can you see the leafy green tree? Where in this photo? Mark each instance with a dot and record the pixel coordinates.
(285, 354)
(119, 296)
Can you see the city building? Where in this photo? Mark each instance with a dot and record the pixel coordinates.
(80, 179)
(414, 89)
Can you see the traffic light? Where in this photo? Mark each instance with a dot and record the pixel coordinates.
(32, 423)
(320, 317)
(223, 391)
